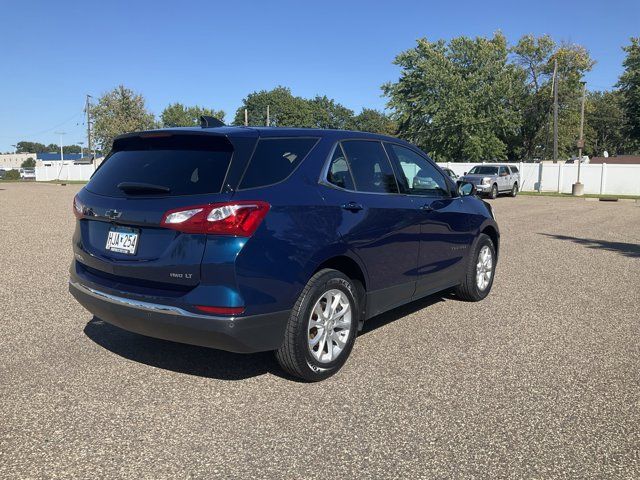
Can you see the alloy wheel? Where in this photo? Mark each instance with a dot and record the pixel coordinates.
(484, 268)
(329, 326)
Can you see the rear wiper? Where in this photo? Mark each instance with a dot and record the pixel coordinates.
(138, 187)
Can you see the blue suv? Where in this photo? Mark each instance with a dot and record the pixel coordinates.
(253, 239)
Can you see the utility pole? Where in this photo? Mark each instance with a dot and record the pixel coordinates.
(577, 188)
(87, 110)
(555, 110)
(246, 118)
(268, 122)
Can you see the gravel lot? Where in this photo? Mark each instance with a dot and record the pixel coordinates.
(541, 380)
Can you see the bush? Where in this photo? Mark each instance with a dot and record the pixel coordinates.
(12, 175)
(28, 163)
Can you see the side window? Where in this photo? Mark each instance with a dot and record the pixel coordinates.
(502, 171)
(274, 159)
(370, 166)
(421, 178)
(514, 169)
(339, 173)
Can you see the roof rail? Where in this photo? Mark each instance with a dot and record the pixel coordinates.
(207, 121)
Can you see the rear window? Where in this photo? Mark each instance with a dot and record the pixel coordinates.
(274, 159)
(514, 169)
(186, 165)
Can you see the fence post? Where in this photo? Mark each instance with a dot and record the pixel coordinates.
(603, 178)
(540, 177)
(559, 177)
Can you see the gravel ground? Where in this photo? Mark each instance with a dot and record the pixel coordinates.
(540, 380)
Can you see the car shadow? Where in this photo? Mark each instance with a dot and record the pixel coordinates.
(179, 357)
(397, 313)
(211, 363)
(626, 249)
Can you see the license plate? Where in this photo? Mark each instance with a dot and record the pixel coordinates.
(122, 240)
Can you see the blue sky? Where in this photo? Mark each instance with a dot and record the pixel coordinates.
(213, 54)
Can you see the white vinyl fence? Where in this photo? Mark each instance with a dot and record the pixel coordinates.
(606, 178)
(64, 172)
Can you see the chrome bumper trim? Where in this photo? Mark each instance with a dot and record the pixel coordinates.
(140, 305)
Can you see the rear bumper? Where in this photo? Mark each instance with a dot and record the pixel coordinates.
(245, 334)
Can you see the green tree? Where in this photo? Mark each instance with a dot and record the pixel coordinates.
(458, 100)
(178, 115)
(327, 113)
(536, 56)
(71, 149)
(119, 111)
(604, 124)
(28, 163)
(629, 86)
(374, 121)
(285, 110)
(30, 147)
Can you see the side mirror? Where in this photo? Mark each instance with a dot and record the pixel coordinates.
(464, 173)
(465, 189)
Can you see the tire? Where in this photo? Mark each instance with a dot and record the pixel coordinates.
(296, 355)
(494, 191)
(514, 190)
(469, 289)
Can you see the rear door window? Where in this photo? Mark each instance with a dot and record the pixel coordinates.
(370, 166)
(274, 159)
(339, 173)
(183, 165)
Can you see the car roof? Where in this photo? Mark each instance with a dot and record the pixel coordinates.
(273, 132)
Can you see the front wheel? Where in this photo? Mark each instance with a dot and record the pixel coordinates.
(479, 274)
(494, 191)
(322, 327)
(514, 190)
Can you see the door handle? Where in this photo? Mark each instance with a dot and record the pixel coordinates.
(427, 208)
(352, 206)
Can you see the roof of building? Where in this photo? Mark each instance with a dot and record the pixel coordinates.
(621, 159)
(56, 156)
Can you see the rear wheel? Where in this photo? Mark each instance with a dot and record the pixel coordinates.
(494, 191)
(479, 274)
(514, 190)
(322, 327)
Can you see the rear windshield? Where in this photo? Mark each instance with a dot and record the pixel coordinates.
(274, 160)
(185, 165)
(484, 170)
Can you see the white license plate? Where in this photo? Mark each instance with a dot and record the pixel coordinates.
(122, 240)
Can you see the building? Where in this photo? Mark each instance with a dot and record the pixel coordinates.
(619, 160)
(13, 161)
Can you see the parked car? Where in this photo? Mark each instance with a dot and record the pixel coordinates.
(491, 180)
(283, 239)
(451, 174)
(2, 172)
(28, 173)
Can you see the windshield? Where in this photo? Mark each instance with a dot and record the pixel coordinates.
(483, 170)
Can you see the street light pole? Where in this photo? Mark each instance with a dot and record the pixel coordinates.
(61, 153)
(577, 188)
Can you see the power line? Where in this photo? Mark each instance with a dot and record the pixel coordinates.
(33, 134)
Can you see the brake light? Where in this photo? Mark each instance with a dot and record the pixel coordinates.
(78, 208)
(220, 310)
(231, 218)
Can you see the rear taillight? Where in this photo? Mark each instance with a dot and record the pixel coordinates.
(78, 207)
(232, 218)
